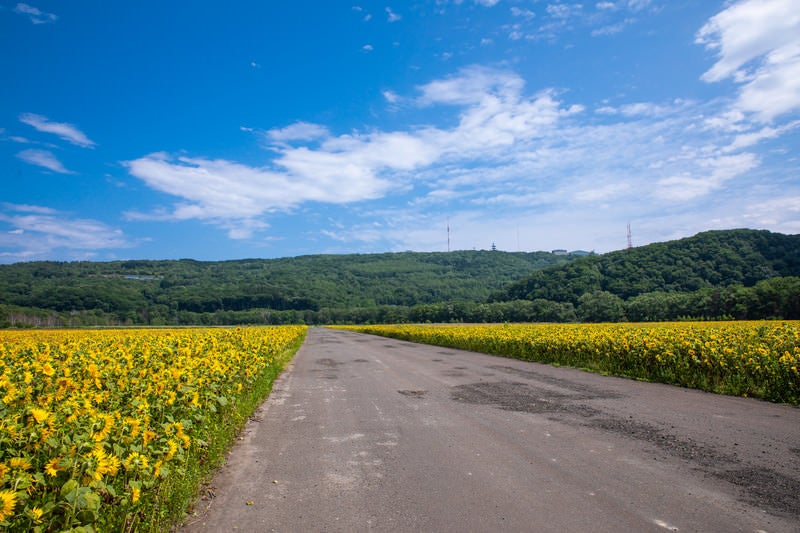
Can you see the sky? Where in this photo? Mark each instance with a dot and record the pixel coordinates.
(259, 129)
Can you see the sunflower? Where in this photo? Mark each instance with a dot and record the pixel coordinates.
(36, 514)
(51, 468)
(8, 500)
(19, 462)
(40, 415)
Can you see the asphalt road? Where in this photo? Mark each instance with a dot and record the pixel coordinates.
(363, 433)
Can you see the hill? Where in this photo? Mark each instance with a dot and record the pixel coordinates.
(186, 291)
(712, 271)
(743, 274)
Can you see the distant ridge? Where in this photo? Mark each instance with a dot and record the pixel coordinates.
(742, 274)
(710, 259)
(145, 291)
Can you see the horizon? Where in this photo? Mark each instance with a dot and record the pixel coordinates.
(345, 253)
(279, 130)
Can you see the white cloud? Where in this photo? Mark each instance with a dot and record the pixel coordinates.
(505, 154)
(349, 168)
(606, 192)
(638, 5)
(718, 170)
(782, 214)
(392, 16)
(471, 86)
(524, 13)
(39, 232)
(344, 169)
(391, 97)
(485, 3)
(613, 29)
(43, 158)
(67, 132)
(26, 208)
(745, 140)
(757, 45)
(367, 48)
(637, 109)
(36, 15)
(564, 11)
(299, 131)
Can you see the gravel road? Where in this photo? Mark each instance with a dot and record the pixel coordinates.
(363, 433)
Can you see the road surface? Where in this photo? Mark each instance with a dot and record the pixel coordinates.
(363, 433)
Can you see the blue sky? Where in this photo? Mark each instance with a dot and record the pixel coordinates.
(225, 130)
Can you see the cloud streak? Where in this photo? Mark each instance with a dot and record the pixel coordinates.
(43, 158)
(34, 14)
(65, 131)
(37, 232)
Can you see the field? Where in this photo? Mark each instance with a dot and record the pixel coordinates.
(114, 430)
(758, 359)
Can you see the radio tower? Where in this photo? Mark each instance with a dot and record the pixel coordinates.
(448, 234)
(630, 243)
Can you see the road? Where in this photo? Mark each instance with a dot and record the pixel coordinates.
(363, 433)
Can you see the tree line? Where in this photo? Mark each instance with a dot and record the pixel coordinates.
(734, 274)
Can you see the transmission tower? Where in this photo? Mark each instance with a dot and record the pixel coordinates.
(630, 243)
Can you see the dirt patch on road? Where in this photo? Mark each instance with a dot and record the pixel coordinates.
(514, 396)
(764, 486)
(568, 404)
(413, 393)
(585, 392)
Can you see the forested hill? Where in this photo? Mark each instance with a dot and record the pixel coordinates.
(743, 274)
(153, 292)
(710, 259)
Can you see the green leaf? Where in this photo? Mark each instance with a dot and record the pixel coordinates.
(68, 488)
(91, 500)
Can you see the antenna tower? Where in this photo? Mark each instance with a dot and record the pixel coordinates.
(630, 243)
(448, 234)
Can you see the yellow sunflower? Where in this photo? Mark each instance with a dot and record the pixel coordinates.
(51, 468)
(8, 500)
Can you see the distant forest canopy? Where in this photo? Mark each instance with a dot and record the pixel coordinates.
(732, 274)
(254, 290)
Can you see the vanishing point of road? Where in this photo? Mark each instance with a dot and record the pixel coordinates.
(363, 433)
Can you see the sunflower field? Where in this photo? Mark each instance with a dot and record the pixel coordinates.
(758, 359)
(114, 430)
